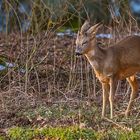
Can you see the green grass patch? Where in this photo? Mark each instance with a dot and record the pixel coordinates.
(51, 133)
(69, 133)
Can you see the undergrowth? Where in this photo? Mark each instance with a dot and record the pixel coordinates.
(68, 133)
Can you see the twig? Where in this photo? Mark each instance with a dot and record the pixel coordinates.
(118, 125)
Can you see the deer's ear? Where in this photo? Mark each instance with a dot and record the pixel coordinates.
(94, 29)
(78, 33)
(85, 26)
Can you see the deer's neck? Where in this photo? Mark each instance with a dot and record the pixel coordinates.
(96, 56)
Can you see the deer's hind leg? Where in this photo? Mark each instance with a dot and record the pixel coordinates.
(134, 90)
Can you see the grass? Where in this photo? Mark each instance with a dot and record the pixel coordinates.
(68, 133)
(85, 123)
(51, 133)
(68, 108)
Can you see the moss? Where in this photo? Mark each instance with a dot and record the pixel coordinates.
(69, 133)
(58, 133)
(2, 138)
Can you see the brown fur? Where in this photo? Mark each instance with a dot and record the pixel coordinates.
(120, 61)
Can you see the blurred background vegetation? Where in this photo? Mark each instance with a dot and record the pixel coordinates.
(38, 15)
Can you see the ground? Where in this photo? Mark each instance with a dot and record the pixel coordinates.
(50, 88)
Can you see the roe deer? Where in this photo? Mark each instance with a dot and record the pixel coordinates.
(111, 64)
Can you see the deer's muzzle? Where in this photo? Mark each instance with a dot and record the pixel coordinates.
(78, 53)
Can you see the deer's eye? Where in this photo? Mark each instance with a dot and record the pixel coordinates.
(84, 43)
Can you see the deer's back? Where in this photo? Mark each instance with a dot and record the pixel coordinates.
(126, 56)
(128, 50)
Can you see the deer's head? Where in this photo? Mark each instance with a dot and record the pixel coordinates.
(84, 38)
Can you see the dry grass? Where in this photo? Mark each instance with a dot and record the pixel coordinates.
(56, 86)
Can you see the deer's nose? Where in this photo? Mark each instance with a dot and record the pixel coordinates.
(78, 53)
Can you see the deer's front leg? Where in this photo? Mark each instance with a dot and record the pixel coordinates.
(113, 85)
(105, 88)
